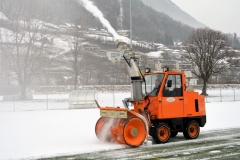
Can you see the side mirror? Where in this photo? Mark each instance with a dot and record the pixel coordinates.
(169, 83)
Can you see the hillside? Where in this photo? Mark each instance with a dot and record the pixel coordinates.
(148, 24)
(169, 8)
(55, 27)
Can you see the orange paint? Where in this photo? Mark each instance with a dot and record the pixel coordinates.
(173, 105)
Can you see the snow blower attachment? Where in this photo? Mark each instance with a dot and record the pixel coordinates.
(162, 107)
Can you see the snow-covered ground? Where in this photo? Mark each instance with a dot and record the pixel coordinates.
(43, 133)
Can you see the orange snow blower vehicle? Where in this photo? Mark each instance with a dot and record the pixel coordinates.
(162, 107)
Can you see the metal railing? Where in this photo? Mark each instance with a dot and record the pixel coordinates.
(61, 102)
(34, 105)
(223, 95)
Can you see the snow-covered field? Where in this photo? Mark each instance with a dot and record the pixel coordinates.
(44, 133)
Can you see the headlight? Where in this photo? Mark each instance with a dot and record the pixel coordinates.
(147, 70)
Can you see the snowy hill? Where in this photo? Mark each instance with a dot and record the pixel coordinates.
(2, 16)
(171, 9)
(148, 24)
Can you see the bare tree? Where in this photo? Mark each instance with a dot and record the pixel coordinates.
(76, 59)
(73, 59)
(206, 49)
(24, 46)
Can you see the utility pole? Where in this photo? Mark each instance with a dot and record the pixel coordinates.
(2, 65)
(131, 24)
(2, 71)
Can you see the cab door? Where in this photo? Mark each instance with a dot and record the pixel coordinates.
(172, 97)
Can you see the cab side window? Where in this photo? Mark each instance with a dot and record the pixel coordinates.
(173, 86)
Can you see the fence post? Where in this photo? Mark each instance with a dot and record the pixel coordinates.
(221, 92)
(234, 93)
(113, 96)
(14, 105)
(47, 101)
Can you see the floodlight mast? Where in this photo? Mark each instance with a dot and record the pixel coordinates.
(131, 24)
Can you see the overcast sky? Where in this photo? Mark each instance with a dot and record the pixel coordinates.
(223, 15)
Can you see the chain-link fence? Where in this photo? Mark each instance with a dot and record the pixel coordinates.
(61, 101)
(217, 93)
(223, 95)
(39, 102)
(221, 92)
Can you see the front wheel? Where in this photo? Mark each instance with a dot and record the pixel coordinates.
(191, 130)
(134, 132)
(161, 133)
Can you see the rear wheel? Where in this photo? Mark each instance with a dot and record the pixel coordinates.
(161, 133)
(134, 132)
(191, 130)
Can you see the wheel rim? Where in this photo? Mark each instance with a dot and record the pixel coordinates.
(134, 132)
(193, 130)
(163, 133)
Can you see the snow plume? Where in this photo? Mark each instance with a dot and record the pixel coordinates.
(97, 13)
(105, 131)
(120, 18)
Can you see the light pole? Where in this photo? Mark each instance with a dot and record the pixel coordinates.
(2, 65)
(131, 24)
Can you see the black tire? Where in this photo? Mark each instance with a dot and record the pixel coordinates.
(191, 130)
(151, 131)
(161, 133)
(174, 133)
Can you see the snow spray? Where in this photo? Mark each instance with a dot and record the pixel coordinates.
(97, 13)
(105, 133)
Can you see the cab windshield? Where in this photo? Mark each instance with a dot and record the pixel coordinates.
(152, 84)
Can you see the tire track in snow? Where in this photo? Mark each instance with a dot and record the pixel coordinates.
(217, 144)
